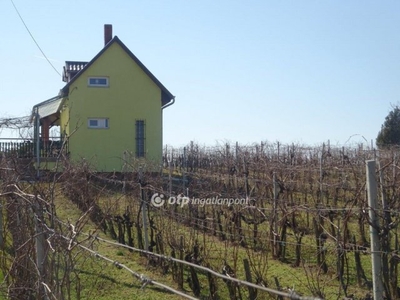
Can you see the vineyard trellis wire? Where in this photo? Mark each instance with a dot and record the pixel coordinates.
(146, 281)
(320, 206)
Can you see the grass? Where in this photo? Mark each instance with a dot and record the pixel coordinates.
(97, 279)
(100, 279)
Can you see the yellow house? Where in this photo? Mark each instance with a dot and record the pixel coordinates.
(111, 107)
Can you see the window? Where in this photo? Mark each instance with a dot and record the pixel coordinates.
(98, 81)
(140, 138)
(98, 123)
(93, 123)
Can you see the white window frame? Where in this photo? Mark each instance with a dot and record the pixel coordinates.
(102, 123)
(98, 85)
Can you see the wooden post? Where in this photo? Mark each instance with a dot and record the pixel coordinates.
(386, 239)
(394, 268)
(375, 247)
(37, 135)
(278, 151)
(169, 159)
(212, 285)
(237, 153)
(275, 215)
(246, 180)
(340, 260)
(278, 286)
(124, 169)
(144, 211)
(1, 227)
(181, 252)
(40, 242)
(184, 168)
(252, 291)
(394, 168)
(321, 174)
(45, 130)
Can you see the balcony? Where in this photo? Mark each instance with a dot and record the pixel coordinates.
(27, 148)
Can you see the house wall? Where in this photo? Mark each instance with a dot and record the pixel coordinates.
(131, 95)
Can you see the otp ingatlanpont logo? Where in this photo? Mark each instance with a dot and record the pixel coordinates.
(157, 200)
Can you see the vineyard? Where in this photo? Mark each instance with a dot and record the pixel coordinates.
(301, 229)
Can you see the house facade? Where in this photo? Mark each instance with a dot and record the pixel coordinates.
(111, 107)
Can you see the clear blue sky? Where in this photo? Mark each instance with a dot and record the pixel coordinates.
(247, 71)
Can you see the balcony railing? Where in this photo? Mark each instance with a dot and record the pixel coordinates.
(27, 148)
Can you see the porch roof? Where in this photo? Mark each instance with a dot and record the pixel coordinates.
(47, 108)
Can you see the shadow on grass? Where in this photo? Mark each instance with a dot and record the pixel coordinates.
(125, 284)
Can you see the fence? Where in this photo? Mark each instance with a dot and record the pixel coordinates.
(27, 148)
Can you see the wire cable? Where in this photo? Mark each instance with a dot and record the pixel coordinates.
(292, 295)
(145, 281)
(30, 33)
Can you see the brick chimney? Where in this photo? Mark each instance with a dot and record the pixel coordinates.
(107, 33)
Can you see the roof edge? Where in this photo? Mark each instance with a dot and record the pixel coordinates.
(36, 106)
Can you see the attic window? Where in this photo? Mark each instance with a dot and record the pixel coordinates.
(98, 81)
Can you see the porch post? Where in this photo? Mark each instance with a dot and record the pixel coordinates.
(45, 130)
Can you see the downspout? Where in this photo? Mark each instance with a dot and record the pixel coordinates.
(169, 103)
(172, 101)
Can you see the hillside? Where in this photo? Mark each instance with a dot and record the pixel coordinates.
(302, 232)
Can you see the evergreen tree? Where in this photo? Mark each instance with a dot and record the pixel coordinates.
(389, 135)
